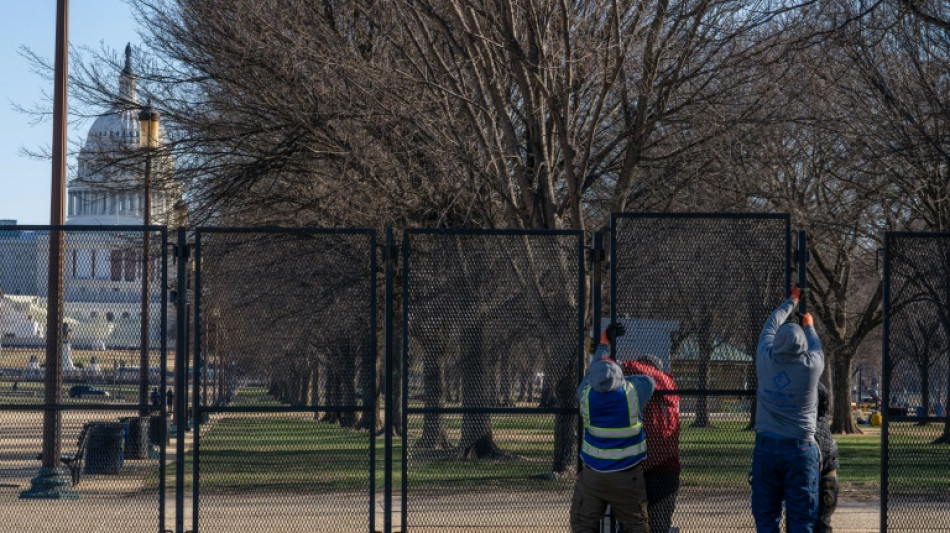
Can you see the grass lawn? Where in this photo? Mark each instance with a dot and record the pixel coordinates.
(721, 456)
(280, 454)
(253, 453)
(915, 465)
(31, 393)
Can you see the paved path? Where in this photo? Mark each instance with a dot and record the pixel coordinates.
(102, 512)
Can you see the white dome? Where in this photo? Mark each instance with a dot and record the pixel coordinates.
(108, 188)
(115, 130)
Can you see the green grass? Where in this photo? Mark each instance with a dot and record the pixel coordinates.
(31, 393)
(278, 454)
(526, 465)
(721, 456)
(915, 465)
(254, 453)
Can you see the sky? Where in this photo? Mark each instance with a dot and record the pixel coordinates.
(25, 182)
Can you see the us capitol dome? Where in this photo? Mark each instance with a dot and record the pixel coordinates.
(109, 185)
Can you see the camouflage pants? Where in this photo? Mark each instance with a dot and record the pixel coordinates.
(827, 501)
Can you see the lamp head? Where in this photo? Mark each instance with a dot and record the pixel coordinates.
(149, 120)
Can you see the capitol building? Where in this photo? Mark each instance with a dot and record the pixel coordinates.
(103, 268)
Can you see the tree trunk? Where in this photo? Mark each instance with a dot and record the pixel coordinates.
(434, 436)
(476, 440)
(704, 345)
(564, 460)
(396, 394)
(924, 368)
(842, 421)
(315, 387)
(347, 362)
(301, 387)
(506, 384)
(367, 396)
(332, 393)
(945, 438)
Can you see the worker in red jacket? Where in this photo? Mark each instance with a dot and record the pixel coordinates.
(661, 422)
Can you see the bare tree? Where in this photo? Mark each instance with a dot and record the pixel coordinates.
(519, 113)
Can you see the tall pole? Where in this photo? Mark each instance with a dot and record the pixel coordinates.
(802, 257)
(181, 371)
(148, 141)
(52, 482)
(146, 292)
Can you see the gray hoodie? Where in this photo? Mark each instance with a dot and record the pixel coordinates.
(604, 375)
(789, 362)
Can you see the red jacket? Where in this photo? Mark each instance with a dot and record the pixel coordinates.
(661, 420)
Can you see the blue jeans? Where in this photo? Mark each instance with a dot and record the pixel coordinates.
(785, 469)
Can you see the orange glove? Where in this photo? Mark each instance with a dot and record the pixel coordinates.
(611, 332)
(807, 320)
(796, 293)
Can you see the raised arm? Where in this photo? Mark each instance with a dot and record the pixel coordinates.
(814, 344)
(608, 337)
(776, 319)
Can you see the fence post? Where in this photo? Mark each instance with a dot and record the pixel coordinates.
(801, 257)
(886, 379)
(163, 384)
(197, 366)
(389, 257)
(181, 368)
(596, 270)
(596, 259)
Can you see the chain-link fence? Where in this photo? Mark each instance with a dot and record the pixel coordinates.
(493, 337)
(101, 406)
(694, 291)
(284, 370)
(916, 431)
(283, 373)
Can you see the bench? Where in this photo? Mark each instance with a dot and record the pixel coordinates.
(74, 461)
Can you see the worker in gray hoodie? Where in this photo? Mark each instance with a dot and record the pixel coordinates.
(789, 362)
(614, 443)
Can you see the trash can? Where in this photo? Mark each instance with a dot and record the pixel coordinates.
(136, 446)
(155, 429)
(105, 447)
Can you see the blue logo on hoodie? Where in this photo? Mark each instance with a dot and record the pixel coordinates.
(782, 380)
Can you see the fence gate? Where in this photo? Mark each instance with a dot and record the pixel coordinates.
(284, 380)
(491, 357)
(694, 290)
(102, 412)
(915, 438)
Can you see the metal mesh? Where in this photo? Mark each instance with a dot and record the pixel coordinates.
(917, 385)
(106, 435)
(285, 336)
(694, 291)
(491, 365)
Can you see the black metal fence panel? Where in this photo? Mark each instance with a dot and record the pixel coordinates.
(284, 380)
(916, 432)
(694, 290)
(110, 432)
(492, 355)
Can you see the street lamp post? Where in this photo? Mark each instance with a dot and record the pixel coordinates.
(148, 141)
(52, 482)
